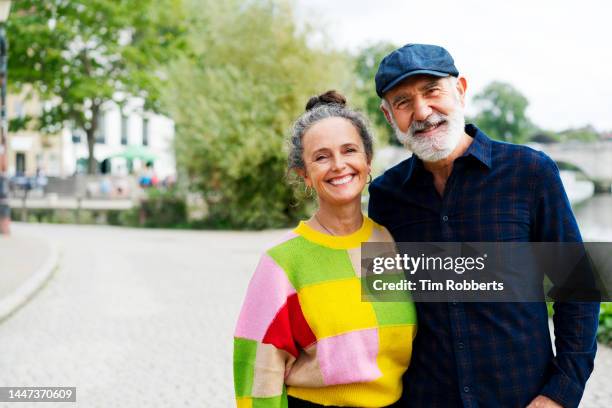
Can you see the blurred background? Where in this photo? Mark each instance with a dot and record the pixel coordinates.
(143, 162)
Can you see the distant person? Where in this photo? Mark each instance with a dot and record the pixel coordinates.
(148, 178)
(41, 179)
(461, 186)
(304, 337)
(106, 187)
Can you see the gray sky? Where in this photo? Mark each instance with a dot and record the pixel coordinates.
(556, 52)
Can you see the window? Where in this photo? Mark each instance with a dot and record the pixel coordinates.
(124, 128)
(19, 109)
(77, 135)
(145, 131)
(100, 130)
(20, 163)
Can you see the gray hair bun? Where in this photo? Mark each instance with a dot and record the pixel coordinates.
(330, 97)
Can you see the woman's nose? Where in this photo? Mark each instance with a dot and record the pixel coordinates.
(338, 162)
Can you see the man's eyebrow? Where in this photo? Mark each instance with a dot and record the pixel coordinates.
(399, 98)
(430, 84)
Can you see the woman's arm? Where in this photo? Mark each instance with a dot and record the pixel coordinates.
(264, 346)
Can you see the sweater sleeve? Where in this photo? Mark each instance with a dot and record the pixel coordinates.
(264, 347)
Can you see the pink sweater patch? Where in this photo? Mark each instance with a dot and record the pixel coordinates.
(349, 358)
(266, 295)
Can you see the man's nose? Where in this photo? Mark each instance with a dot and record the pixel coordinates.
(422, 110)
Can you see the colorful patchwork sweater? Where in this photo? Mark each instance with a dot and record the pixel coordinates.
(304, 330)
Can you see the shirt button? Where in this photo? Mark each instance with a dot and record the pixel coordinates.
(445, 218)
(466, 389)
(461, 346)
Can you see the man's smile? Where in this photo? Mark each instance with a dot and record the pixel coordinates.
(431, 129)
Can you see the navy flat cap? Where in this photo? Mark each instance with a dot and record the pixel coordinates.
(413, 59)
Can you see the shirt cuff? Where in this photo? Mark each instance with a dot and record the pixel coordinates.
(563, 390)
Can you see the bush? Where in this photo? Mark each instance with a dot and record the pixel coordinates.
(604, 333)
(160, 209)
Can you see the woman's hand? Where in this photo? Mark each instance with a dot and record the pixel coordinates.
(543, 402)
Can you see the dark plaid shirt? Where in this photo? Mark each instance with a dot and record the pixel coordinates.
(489, 354)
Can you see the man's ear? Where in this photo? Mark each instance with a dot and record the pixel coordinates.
(462, 88)
(387, 114)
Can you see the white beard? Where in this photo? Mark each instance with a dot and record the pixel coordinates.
(434, 148)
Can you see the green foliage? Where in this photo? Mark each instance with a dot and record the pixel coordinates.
(604, 332)
(78, 55)
(502, 113)
(233, 101)
(583, 134)
(163, 209)
(366, 65)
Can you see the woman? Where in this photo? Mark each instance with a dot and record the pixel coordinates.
(304, 336)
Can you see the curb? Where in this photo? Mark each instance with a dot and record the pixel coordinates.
(20, 296)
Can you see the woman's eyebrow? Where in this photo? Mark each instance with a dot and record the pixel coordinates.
(321, 149)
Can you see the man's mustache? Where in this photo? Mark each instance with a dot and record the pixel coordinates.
(432, 120)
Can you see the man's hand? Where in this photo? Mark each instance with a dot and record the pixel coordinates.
(543, 402)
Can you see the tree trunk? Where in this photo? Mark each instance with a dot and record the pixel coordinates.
(92, 167)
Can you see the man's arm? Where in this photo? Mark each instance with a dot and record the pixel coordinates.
(575, 322)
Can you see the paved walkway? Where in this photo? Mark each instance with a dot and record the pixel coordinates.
(20, 256)
(144, 318)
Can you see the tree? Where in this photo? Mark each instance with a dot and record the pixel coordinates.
(366, 65)
(233, 101)
(502, 113)
(584, 134)
(78, 55)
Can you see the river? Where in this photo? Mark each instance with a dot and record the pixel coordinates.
(595, 218)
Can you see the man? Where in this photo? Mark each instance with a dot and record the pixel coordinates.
(461, 186)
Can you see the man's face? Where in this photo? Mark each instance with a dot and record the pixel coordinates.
(426, 113)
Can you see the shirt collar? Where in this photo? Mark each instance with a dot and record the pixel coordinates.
(480, 149)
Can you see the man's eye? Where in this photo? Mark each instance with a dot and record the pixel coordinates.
(433, 91)
(402, 104)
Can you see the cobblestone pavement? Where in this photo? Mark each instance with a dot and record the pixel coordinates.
(144, 318)
(133, 318)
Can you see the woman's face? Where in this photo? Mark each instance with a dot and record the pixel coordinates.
(336, 163)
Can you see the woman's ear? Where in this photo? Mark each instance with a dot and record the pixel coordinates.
(302, 173)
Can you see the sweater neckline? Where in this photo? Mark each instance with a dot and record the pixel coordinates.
(353, 240)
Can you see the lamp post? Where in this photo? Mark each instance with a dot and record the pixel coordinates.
(5, 210)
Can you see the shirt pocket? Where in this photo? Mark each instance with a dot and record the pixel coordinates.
(501, 224)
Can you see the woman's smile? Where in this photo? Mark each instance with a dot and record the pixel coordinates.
(341, 180)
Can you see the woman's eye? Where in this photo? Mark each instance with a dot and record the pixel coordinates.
(351, 150)
(319, 158)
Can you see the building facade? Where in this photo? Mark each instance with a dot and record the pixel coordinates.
(65, 153)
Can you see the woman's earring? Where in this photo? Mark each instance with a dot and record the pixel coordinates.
(308, 191)
(369, 178)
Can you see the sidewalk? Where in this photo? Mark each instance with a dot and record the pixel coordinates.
(26, 262)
